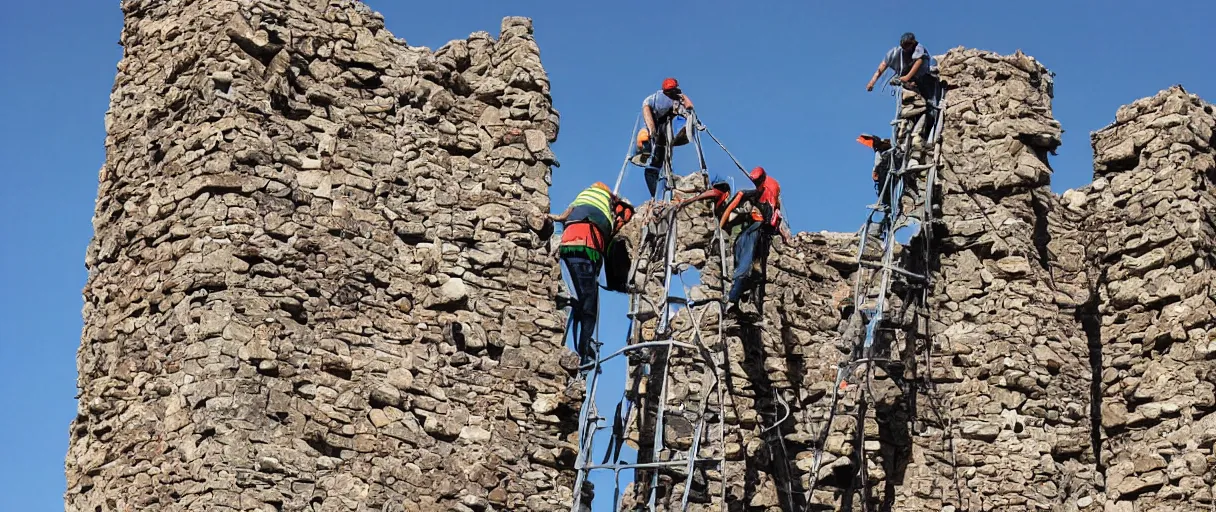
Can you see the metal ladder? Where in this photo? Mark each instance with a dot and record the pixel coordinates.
(872, 291)
(655, 355)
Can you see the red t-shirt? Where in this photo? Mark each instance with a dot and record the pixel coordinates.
(770, 190)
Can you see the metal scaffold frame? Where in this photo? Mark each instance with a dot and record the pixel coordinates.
(655, 355)
(872, 294)
(872, 288)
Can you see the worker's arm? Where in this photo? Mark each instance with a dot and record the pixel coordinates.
(741, 196)
(708, 194)
(882, 68)
(912, 72)
(730, 208)
(562, 218)
(648, 117)
(784, 226)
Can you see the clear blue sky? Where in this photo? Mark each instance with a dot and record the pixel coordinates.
(781, 85)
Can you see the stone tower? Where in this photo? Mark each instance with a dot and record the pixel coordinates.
(320, 276)
(1150, 226)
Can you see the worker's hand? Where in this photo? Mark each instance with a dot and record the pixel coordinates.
(905, 79)
(870, 86)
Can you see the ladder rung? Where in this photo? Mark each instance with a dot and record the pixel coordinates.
(914, 168)
(897, 270)
(702, 302)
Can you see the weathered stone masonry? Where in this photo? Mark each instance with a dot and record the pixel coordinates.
(319, 279)
(1046, 390)
(1152, 226)
(1010, 366)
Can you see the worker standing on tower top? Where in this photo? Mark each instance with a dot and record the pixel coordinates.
(662, 109)
(910, 62)
(752, 232)
(590, 221)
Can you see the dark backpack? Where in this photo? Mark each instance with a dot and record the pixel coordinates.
(617, 262)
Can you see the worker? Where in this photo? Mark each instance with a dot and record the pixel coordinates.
(592, 219)
(883, 152)
(910, 62)
(752, 232)
(666, 107)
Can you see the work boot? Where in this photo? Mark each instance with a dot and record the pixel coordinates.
(732, 309)
(753, 316)
(641, 155)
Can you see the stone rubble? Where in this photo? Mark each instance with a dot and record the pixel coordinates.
(321, 280)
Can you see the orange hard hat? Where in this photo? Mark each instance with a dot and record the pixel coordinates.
(756, 173)
(623, 210)
(670, 83)
(874, 142)
(643, 135)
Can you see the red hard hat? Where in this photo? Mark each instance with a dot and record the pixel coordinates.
(756, 173)
(670, 83)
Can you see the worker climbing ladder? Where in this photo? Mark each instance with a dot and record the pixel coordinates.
(645, 399)
(916, 139)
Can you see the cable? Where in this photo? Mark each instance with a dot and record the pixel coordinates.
(728, 153)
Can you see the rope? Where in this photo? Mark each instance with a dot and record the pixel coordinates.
(728, 153)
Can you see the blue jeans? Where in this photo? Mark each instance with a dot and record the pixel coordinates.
(585, 275)
(927, 85)
(745, 252)
(656, 180)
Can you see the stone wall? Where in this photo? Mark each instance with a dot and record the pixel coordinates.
(320, 277)
(1152, 221)
(1000, 415)
(789, 358)
(1071, 364)
(1011, 428)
